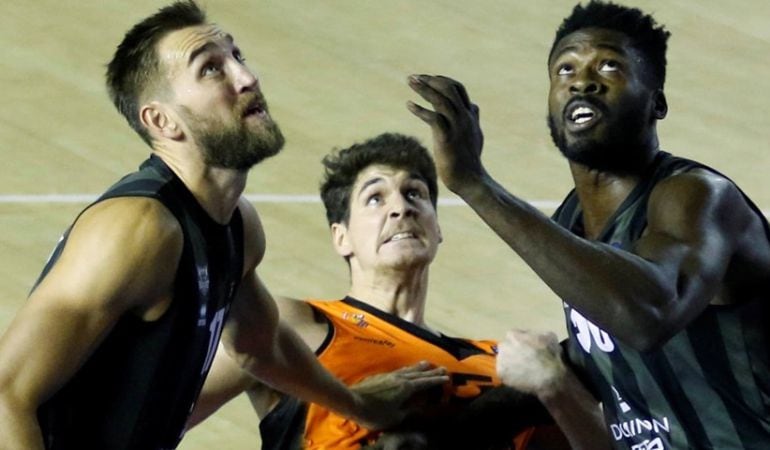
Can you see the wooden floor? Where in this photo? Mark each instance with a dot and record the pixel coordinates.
(334, 73)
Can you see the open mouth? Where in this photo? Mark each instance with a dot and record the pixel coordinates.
(255, 108)
(401, 236)
(580, 115)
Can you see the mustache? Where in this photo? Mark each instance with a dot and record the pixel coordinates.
(249, 101)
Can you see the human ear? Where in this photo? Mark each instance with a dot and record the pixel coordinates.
(340, 240)
(660, 105)
(159, 121)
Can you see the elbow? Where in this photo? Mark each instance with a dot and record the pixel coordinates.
(650, 330)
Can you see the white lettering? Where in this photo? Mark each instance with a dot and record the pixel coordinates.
(215, 330)
(586, 332)
(636, 427)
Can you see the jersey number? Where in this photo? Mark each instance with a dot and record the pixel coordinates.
(588, 333)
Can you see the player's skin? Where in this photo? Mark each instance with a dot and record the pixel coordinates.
(533, 362)
(121, 255)
(388, 274)
(392, 275)
(703, 244)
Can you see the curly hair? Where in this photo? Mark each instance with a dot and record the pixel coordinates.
(645, 34)
(389, 149)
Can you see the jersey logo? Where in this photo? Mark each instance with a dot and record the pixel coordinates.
(358, 318)
(588, 334)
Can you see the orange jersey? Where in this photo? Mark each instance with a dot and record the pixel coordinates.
(364, 341)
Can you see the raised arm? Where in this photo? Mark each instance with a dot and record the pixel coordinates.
(108, 268)
(697, 223)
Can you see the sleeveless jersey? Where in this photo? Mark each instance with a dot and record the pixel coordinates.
(708, 387)
(364, 341)
(138, 387)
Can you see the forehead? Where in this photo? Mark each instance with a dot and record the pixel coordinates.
(382, 173)
(590, 39)
(177, 47)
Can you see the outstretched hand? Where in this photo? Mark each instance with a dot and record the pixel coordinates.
(530, 362)
(457, 135)
(383, 397)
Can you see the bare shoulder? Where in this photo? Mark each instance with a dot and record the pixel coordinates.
(700, 199)
(300, 316)
(131, 215)
(114, 250)
(703, 207)
(253, 235)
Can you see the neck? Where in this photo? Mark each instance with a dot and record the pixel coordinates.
(217, 190)
(401, 293)
(600, 195)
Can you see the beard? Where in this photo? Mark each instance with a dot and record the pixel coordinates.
(620, 150)
(236, 146)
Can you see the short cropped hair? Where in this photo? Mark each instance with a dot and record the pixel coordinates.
(342, 167)
(645, 34)
(135, 67)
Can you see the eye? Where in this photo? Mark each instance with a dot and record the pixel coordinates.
(564, 69)
(210, 69)
(413, 194)
(238, 56)
(373, 199)
(609, 66)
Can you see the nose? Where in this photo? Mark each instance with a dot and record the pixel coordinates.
(244, 79)
(401, 206)
(586, 82)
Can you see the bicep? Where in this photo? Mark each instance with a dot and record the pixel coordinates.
(225, 381)
(253, 320)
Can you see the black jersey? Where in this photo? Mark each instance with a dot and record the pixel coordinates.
(708, 387)
(138, 388)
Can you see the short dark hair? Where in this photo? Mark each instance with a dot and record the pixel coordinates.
(389, 149)
(135, 65)
(645, 34)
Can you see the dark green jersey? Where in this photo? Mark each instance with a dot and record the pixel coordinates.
(138, 387)
(708, 387)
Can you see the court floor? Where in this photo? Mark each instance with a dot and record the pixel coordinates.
(334, 73)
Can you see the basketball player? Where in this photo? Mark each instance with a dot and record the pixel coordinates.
(663, 264)
(380, 198)
(113, 345)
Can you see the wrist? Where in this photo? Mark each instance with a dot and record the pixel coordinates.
(474, 185)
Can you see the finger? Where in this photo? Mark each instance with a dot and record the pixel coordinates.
(462, 94)
(438, 123)
(420, 384)
(444, 101)
(450, 88)
(434, 372)
(424, 114)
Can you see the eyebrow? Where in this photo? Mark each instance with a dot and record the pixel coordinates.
(571, 48)
(368, 183)
(208, 46)
(375, 180)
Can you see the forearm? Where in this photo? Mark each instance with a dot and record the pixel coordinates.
(19, 430)
(292, 368)
(577, 414)
(617, 290)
